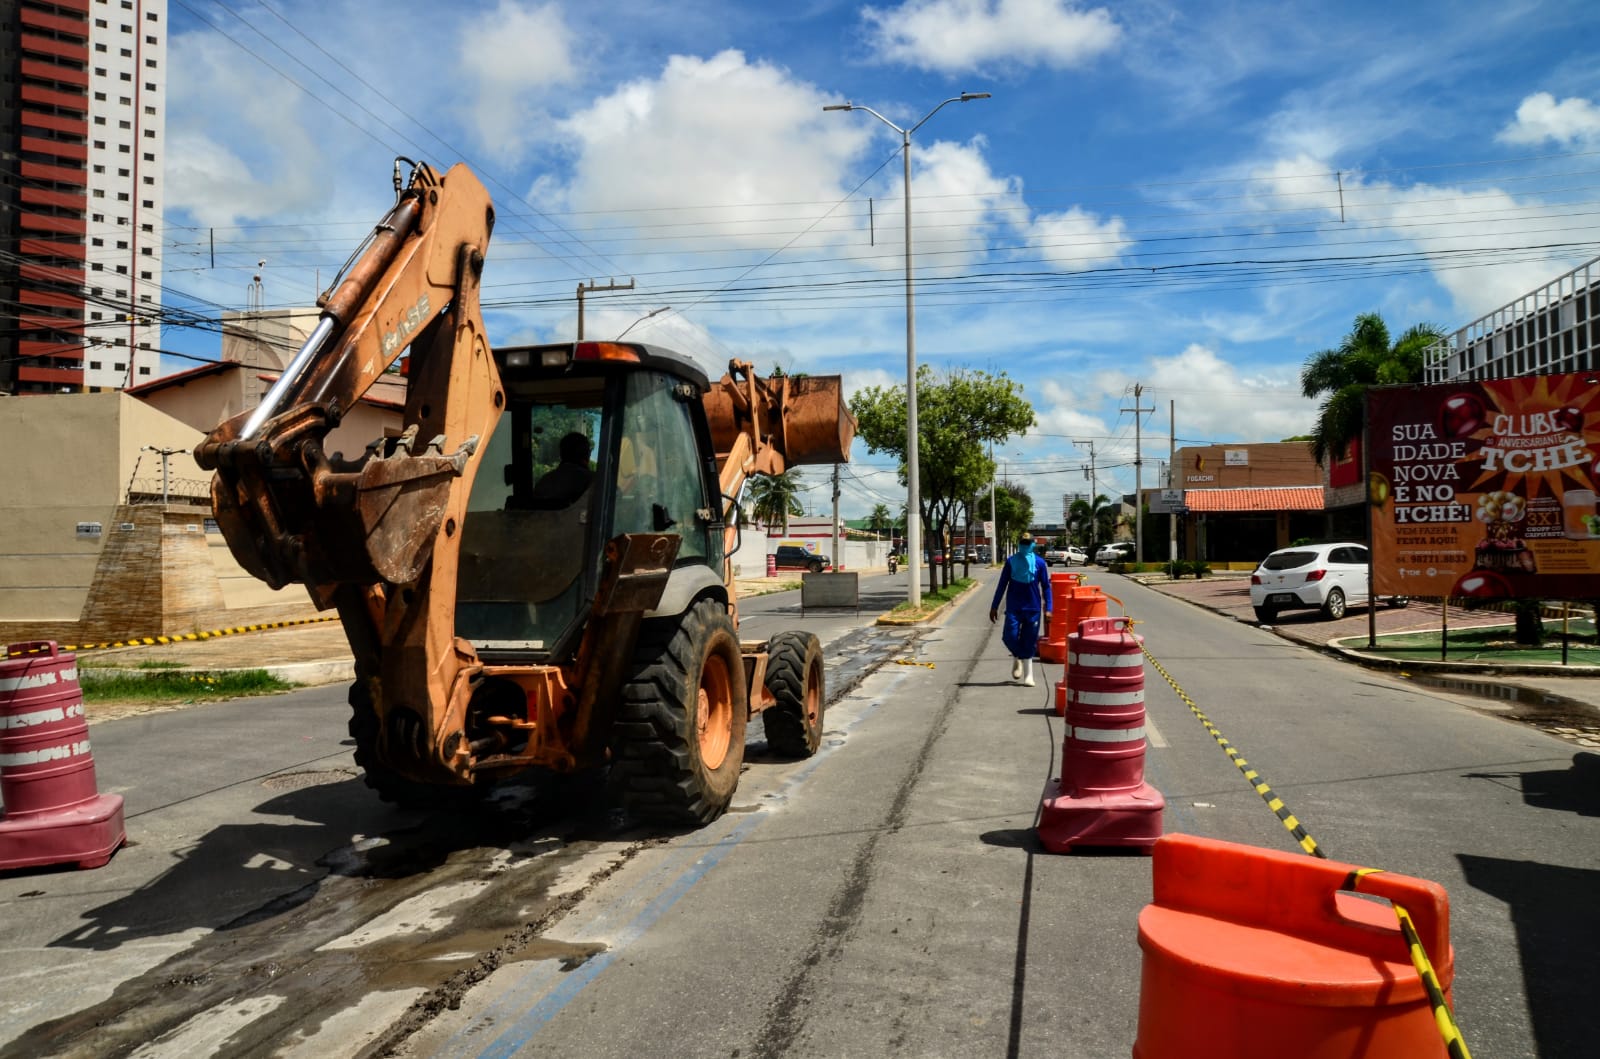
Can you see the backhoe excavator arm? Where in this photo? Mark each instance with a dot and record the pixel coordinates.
(766, 425)
(378, 536)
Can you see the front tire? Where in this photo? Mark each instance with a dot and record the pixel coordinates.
(1333, 607)
(795, 678)
(678, 743)
(815, 567)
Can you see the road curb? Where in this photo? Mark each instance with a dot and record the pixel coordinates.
(936, 616)
(1335, 649)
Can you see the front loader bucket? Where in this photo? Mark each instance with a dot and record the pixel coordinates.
(804, 419)
(818, 427)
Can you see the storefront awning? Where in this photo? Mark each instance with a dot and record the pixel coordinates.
(1263, 498)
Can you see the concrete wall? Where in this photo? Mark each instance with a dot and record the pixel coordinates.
(70, 460)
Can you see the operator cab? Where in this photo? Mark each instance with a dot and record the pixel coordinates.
(596, 439)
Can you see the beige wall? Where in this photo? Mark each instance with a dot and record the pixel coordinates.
(64, 466)
(71, 458)
(203, 402)
(1272, 463)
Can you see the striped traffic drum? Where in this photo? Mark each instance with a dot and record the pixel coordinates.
(53, 812)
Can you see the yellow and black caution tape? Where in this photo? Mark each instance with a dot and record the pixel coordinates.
(1274, 803)
(1455, 1045)
(188, 637)
(912, 662)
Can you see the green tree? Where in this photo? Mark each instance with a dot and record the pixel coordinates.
(1341, 376)
(958, 413)
(1013, 512)
(879, 521)
(774, 497)
(1092, 521)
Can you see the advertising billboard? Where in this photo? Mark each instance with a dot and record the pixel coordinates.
(1486, 489)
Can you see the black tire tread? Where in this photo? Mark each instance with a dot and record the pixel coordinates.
(789, 658)
(656, 772)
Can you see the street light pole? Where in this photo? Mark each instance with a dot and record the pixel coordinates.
(642, 319)
(914, 482)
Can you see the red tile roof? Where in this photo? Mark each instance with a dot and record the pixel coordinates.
(1260, 498)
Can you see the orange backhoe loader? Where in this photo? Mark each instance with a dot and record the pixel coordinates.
(534, 571)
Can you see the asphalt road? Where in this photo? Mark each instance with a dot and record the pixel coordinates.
(886, 897)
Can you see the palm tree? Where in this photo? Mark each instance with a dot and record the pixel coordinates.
(1090, 521)
(880, 519)
(1341, 377)
(775, 497)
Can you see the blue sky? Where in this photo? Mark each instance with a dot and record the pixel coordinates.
(1194, 198)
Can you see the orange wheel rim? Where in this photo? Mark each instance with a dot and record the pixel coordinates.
(714, 712)
(814, 700)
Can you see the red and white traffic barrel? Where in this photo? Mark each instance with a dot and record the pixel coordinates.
(1104, 745)
(53, 812)
(1101, 798)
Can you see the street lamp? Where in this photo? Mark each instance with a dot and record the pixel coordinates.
(913, 505)
(642, 319)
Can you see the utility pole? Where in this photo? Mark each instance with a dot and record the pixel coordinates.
(1094, 523)
(592, 285)
(1138, 462)
(994, 527)
(166, 455)
(836, 516)
(1172, 478)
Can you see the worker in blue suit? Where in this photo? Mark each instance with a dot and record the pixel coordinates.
(1025, 583)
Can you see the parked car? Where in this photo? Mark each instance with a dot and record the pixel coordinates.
(1115, 552)
(1325, 577)
(793, 557)
(983, 553)
(1065, 555)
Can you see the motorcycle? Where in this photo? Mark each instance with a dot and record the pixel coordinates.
(894, 564)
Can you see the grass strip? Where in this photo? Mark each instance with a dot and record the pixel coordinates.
(169, 686)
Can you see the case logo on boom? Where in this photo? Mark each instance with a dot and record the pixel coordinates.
(408, 323)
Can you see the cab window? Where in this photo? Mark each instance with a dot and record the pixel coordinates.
(660, 476)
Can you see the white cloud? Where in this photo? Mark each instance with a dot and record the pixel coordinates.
(719, 132)
(1572, 121)
(961, 36)
(1217, 399)
(240, 148)
(1075, 240)
(1457, 229)
(510, 59)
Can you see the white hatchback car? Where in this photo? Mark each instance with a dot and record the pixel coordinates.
(1325, 577)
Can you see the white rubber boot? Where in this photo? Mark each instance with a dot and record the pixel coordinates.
(1016, 669)
(1027, 673)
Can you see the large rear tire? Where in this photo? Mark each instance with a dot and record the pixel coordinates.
(795, 678)
(389, 784)
(678, 742)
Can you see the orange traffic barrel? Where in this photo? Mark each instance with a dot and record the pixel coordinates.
(52, 811)
(1053, 644)
(1080, 602)
(1255, 951)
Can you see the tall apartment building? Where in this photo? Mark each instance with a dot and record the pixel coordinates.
(82, 89)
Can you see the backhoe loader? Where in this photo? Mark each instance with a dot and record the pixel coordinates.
(534, 570)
